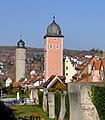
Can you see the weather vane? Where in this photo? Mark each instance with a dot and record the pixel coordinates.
(53, 17)
(21, 35)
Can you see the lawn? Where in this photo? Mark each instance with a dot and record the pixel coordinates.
(28, 110)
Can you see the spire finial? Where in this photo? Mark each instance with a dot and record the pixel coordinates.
(21, 36)
(53, 17)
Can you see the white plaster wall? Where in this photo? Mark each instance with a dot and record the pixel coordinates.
(71, 70)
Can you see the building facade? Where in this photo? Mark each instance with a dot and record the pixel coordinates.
(53, 51)
(69, 70)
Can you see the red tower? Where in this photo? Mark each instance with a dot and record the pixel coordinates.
(53, 51)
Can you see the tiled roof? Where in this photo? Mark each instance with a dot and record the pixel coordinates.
(103, 63)
(75, 76)
(57, 78)
(16, 84)
(80, 67)
(33, 78)
(85, 78)
(97, 65)
(38, 79)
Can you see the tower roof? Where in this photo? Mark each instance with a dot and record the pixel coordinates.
(21, 44)
(53, 30)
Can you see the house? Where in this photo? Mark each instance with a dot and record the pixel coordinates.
(69, 70)
(57, 82)
(8, 82)
(83, 72)
(96, 71)
(93, 71)
(34, 81)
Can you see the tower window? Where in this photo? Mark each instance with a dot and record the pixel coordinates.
(57, 46)
(51, 46)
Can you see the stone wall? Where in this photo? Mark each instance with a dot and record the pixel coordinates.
(81, 106)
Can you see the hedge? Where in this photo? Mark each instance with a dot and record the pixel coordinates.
(98, 98)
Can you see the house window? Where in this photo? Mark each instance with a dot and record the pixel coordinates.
(66, 67)
(55, 38)
(51, 46)
(66, 73)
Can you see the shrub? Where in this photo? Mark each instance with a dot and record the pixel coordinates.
(67, 104)
(98, 98)
(40, 96)
(57, 103)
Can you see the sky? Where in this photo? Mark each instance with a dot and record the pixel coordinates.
(82, 22)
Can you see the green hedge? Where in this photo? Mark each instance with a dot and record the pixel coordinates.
(40, 96)
(98, 98)
(67, 104)
(57, 103)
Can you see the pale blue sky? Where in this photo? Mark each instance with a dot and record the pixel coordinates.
(82, 22)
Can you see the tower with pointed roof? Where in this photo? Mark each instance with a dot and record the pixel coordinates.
(53, 51)
(20, 60)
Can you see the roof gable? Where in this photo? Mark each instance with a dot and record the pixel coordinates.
(52, 80)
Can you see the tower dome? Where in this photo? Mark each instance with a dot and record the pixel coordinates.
(53, 30)
(21, 44)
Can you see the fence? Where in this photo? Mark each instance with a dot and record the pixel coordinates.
(28, 118)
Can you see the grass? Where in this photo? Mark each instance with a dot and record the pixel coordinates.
(28, 110)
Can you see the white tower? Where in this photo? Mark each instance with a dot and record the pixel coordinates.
(20, 60)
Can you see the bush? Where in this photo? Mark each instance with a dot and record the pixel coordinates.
(57, 103)
(40, 96)
(98, 98)
(67, 114)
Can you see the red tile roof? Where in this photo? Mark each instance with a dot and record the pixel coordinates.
(97, 65)
(62, 78)
(85, 78)
(16, 84)
(80, 67)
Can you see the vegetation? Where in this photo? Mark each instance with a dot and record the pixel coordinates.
(40, 95)
(67, 104)
(57, 103)
(28, 110)
(98, 98)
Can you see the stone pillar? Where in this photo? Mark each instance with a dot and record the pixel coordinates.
(75, 105)
(81, 106)
(45, 101)
(36, 99)
(18, 96)
(31, 96)
(51, 104)
(63, 109)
